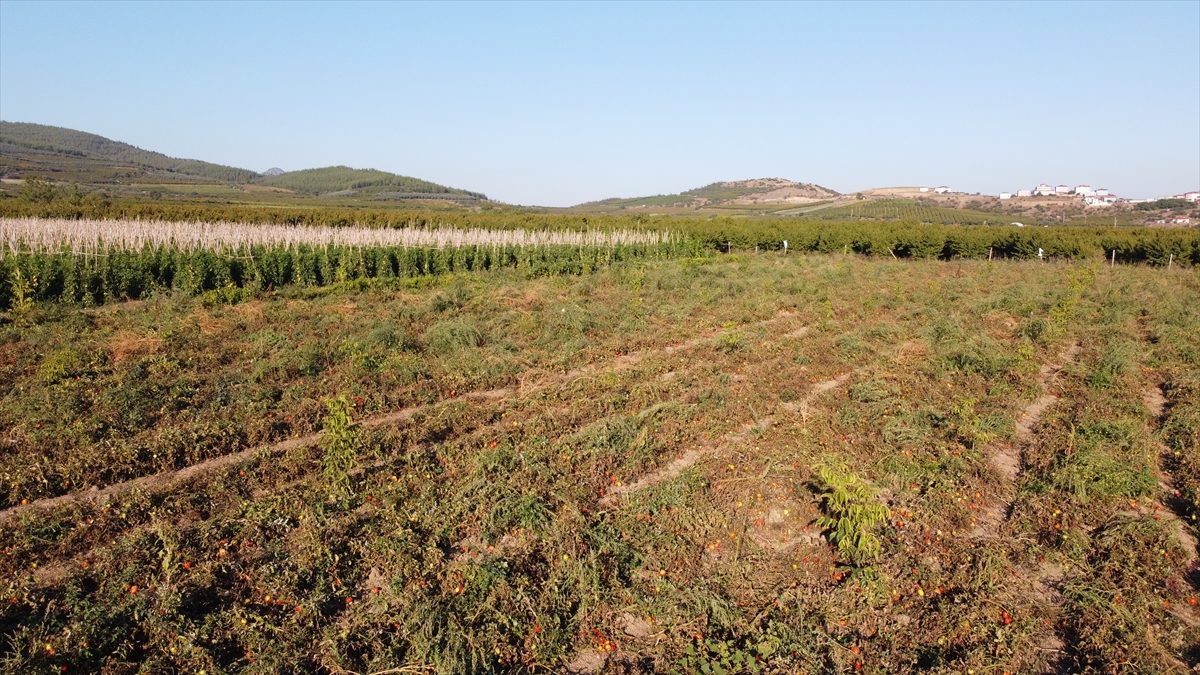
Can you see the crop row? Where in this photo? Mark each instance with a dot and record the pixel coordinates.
(54, 235)
(114, 274)
(91, 262)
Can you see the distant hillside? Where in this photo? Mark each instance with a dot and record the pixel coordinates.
(15, 136)
(337, 180)
(741, 193)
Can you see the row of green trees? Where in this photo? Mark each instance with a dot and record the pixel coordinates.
(915, 240)
(114, 275)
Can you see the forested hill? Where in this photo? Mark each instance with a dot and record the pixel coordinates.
(335, 179)
(59, 140)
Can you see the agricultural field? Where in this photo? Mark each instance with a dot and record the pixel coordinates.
(907, 209)
(666, 460)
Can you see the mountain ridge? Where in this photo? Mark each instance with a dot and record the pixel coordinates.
(70, 155)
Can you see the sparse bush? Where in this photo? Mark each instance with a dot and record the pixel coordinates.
(852, 513)
(341, 448)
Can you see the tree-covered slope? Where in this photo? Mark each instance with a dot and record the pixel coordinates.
(339, 178)
(58, 140)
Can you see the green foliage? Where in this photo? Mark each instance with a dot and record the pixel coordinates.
(21, 289)
(730, 340)
(1064, 310)
(909, 210)
(852, 513)
(340, 447)
(1170, 203)
(226, 295)
(725, 657)
(340, 178)
(38, 190)
(972, 428)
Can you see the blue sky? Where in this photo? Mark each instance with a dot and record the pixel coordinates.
(557, 104)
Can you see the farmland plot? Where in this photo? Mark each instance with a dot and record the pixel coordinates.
(729, 464)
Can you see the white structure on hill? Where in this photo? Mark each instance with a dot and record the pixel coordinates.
(1062, 190)
(924, 189)
(1083, 189)
(1095, 201)
(1192, 197)
(1042, 190)
(1024, 193)
(1005, 195)
(941, 190)
(1101, 192)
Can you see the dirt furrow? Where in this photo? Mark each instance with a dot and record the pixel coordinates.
(165, 481)
(1005, 458)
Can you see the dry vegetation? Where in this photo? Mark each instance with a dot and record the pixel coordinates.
(82, 235)
(721, 464)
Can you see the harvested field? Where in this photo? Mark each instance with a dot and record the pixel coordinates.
(656, 466)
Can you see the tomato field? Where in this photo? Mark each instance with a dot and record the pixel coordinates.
(680, 462)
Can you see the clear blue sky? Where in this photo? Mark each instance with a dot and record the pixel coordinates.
(557, 104)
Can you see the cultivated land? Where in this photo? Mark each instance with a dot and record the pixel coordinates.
(715, 463)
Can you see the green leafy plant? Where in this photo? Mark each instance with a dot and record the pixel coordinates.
(853, 512)
(341, 447)
(724, 657)
(970, 427)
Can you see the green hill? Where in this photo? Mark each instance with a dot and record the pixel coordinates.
(79, 144)
(381, 184)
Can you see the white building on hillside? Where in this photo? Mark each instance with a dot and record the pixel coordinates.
(1095, 201)
(1192, 197)
(1005, 195)
(1083, 189)
(941, 190)
(924, 189)
(1024, 193)
(1043, 189)
(1101, 192)
(1062, 190)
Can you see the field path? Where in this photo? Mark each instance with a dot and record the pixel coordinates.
(1156, 404)
(168, 480)
(1005, 458)
(689, 458)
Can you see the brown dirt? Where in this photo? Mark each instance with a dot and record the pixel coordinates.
(1155, 401)
(587, 662)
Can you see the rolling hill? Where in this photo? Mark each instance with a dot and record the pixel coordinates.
(753, 194)
(340, 180)
(70, 156)
(40, 144)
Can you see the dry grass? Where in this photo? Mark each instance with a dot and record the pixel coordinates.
(95, 236)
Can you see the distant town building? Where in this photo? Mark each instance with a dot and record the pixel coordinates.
(1101, 192)
(1042, 189)
(1005, 195)
(1062, 190)
(941, 190)
(924, 189)
(1181, 220)
(1191, 196)
(1095, 201)
(1083, 189)
(1024, 193)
